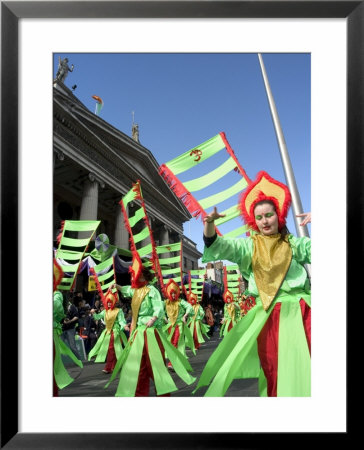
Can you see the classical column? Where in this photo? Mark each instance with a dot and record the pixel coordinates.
(89, 204)
(165, 239)
(164, 235)
(90, 199)
(121, 234)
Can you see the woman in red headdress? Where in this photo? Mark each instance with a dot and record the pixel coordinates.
(273, 340)
(144, 356)
(178, 311)
(112, 340)
(231, 313)
(195, 324)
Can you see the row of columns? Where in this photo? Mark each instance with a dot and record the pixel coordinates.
(89, 211)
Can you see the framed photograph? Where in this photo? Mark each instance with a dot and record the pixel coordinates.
(333, 32)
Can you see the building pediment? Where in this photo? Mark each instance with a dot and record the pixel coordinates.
(99, 147)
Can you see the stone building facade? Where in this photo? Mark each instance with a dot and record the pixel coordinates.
(95, 165)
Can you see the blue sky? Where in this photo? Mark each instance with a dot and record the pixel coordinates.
(181, 100)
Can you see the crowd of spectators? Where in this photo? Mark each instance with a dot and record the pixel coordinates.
(80, 324)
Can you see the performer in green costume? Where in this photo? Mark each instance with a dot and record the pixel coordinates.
(178, 311)
(144, 355)
(195, 324)
(231, 313)
(61, 378)
(273, 339)
(109, 345)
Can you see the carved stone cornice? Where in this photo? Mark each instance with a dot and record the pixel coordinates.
(59, 154)
(94, 179)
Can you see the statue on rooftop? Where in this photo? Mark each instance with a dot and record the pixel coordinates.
(135, 132)
(63, 69)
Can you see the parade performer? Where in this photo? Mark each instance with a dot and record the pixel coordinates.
(195, 324)
(231, 313)
(112, 340)
(144, 356)
(210, 320)
(178, 311)
(275, 333)
(61, 378)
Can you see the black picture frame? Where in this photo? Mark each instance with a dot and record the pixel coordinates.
(11, 12)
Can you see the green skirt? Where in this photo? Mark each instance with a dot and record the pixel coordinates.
(237, 357)
(129, 364)
(61, 375)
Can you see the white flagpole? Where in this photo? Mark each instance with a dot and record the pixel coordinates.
(288, 171)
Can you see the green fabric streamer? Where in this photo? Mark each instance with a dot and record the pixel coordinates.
(120, 361)
(196, 323)
(174, 247)
(147, 250)
(166, 262)
(294, 361)
(61, 375)
(228, 344)
(71, 242)
(129, 197)
(162, 379)
(241, 352)
(130, 370)
(70, 268)
(101, 347)
(139, 217)
(104, 265)
(173, 260)
(69, 255)
(188, 338)
(185, 337)
(188, 159)
(180, 364)
(83, 226)
(107, 279)
(262, 384)
(232, 276)
(213, 200)
(237, 232)
(141, 235)
(197, 271)
(210, 178)
(129, 364)
(171, 271)
(117, 344)
(230, 213)
(106, 275)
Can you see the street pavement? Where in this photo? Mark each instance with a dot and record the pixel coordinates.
(90, 381)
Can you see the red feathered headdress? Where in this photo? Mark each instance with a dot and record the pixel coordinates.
(265, 188)
(135, 270)
(110, 297)
(228, 296)
(173, 288)
(192, 298)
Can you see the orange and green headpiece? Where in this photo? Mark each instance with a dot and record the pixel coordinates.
(265, 188)
(228, 296)
(192, 298)
(173, 291)
(110, 299)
